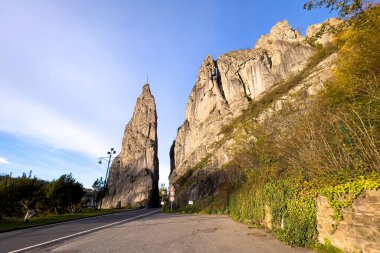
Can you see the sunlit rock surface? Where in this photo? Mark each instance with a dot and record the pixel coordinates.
(225, 86)
(133, 178)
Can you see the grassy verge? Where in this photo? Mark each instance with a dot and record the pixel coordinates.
(9, 224)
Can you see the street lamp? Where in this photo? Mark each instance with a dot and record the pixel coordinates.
(108, 158)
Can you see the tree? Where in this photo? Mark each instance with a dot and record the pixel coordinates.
(64, 193)
(13, 190)
(99, 187)
(163, 192)
(345, 8)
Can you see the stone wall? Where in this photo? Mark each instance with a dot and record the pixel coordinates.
(359, 231)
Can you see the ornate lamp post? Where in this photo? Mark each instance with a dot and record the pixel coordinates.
(108, 158)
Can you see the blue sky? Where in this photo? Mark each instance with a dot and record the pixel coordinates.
(71, 71)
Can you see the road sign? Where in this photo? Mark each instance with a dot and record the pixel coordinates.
(191, 202)
(171, 198)
(172, 192)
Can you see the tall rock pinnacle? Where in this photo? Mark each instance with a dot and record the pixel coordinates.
(133, 178)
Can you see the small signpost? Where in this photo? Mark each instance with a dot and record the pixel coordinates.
(171, 197)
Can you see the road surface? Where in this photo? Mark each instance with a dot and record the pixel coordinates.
(26, 238)
(174, 233)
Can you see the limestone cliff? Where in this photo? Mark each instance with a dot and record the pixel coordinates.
(224, 88)
(133, 177)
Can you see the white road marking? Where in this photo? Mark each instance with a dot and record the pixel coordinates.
(81, 233)
(68, 221)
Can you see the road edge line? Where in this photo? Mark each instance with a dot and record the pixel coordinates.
(64, 221)
(81, 233)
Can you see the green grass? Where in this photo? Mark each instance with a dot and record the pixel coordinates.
(326, 248)
(9, 224)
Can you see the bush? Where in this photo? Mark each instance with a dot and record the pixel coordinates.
(14, 190)
(300, 225)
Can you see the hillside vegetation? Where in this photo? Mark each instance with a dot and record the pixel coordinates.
(331, 148)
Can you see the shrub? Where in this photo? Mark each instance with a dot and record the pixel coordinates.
(300, 227)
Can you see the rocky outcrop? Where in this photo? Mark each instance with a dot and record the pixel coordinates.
(133, 177)
(323, 33)
(225, 86)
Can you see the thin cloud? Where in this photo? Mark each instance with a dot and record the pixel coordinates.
(3, 160)
(35, 121)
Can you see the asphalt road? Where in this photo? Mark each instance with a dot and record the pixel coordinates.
(25, 239)
(176, 233)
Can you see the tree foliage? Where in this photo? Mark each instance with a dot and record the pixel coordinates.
(14, 190)
(61, 195)
(357, 76)
(99, 188)
(64, 193)
(345, 8)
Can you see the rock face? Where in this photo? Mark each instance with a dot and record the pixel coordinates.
(359, 231)
(133, 178)
(323, 33)
(224, 88)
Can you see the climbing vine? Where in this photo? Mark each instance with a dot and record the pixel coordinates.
(343, 195)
